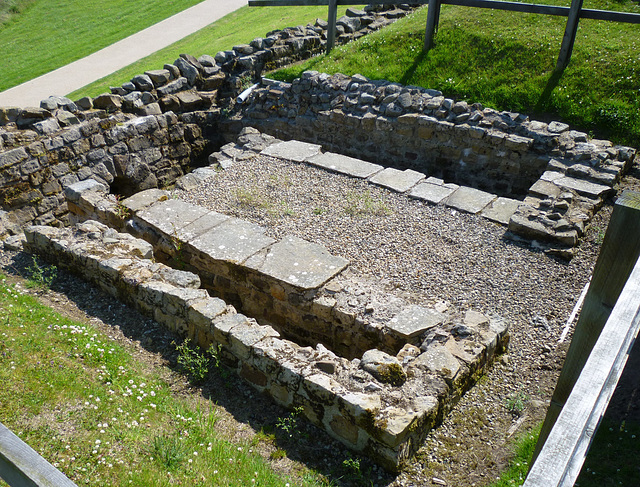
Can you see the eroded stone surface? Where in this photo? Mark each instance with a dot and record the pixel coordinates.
(292, 150)
(415, 320)
(470, 200)
(297, 262)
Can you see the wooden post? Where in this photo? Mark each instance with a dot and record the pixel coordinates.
(433, 18)
(331, 29)
(569, 34)
(618, 255)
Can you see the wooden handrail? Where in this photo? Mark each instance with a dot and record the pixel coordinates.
(21, 466)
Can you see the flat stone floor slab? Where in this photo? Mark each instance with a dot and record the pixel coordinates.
(470, 200)
(400, 181)
(433, 193)
(292, 150)
(501, 210)
(297, 262)
(232, 241)
(345, 165)
(170, 216)
(201, 226)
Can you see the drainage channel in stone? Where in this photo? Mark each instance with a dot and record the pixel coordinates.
(376, 379)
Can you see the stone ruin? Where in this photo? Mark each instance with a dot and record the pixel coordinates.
(378, 378)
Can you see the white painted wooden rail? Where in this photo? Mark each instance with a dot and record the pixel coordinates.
(21, 466)
(560, 459)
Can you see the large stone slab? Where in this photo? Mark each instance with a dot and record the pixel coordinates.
(297, 262)
(400, 181)
(433, 193)
(170, 216)
(201, 226)
(501, 210)
(292, 150)
(585, 188)
(415, 320)
(232, 241)
(470, 200)
(344, 165)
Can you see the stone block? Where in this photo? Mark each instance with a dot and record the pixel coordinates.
(433, 193)
(73, 192)
(344, 165)
(169, 216)
(233, 241)
(413, 321)
(396, 180)
(202, 225)
(144, 199)
(301, 264)
(439, 360)
(223, 325)
(582, 187)
(203, 312)
(243, 336)
(292, 150)
(470, 200)
(501, 210)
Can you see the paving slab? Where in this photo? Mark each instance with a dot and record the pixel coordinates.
(232, 241)
(295, 261)
(201, 226)
(415, 320)
(344, 165)
(396, 180)
(144, 199)
(170, 216)
(501, 210)
(544, 189)
(433, 193)
(292, 150)
(470, 200)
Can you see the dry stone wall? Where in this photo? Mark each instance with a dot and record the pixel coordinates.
(380, 404)
(561, 175)
(124, 152)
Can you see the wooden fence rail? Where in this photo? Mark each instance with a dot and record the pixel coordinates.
(573, 14)
(21, 466)
(603, 338)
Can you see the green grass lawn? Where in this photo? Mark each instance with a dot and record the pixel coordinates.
(44, 35)
(239, 27)
(505, 60)
(102, 417)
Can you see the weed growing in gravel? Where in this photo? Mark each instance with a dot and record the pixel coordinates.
(362, 204)
(516, 403)
(41, 276)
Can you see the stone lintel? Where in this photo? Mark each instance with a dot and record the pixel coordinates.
(396, 180)
(415, 320)
(232, 241)
(302, 264)
(292, 150)
(344, 165)
(470, 200)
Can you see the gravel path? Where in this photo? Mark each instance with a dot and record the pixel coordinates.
(428, 254)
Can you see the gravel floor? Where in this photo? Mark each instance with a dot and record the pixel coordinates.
(428, 254)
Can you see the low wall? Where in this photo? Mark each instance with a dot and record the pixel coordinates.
(380, 405)
(561, 175)
(124, 152)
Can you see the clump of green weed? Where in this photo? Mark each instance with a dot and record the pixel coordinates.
(168, 451)
(516, 403)
(194, 363)
(41, 276)
(289, 424)
(362, 204)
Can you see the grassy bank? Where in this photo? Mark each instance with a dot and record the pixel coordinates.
(505, 60)
(239, 27)
(41, 35)
(102, 417)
